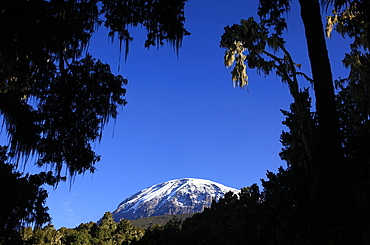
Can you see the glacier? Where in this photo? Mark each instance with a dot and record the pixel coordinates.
(188, 195)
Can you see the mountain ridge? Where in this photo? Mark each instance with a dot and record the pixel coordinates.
(187, 195)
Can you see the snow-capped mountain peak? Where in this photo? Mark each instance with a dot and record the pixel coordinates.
(187, 195)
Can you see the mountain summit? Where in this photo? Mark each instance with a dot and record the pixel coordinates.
(172, 197)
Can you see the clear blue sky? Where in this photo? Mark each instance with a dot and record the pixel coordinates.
(183, 117)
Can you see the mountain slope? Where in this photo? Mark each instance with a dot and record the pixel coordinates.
(172, 197)
(146, 222)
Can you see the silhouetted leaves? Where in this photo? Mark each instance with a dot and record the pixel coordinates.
(55, 99)
(22, 199)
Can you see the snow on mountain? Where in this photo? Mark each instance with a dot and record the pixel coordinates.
(172, 197)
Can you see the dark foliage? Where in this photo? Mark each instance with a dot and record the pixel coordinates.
(22, 199)
(55, 99)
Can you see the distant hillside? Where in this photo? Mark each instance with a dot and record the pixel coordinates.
(161, 220)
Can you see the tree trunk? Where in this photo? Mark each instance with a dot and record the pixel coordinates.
(329, 170)
(323, 83)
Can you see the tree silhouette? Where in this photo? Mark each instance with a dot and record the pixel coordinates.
(22, 199)
(55, 99)
(320, 147)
